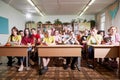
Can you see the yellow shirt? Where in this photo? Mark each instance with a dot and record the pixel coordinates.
(15, 38)
(92, 40)
(49, 40)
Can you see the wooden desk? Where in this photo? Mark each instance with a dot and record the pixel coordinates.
(107, 51)
(14, 51)
(60, 51)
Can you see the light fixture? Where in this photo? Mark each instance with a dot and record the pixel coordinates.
(28, 15)
(91, 2)
(86, 7)
(36, 8)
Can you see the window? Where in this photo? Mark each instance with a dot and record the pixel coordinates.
(102, 21)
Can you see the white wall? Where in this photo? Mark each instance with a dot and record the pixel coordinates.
(15, 19)
(63, 18)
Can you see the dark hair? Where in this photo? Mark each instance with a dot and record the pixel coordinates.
(107, 39)
(93, 27)
(33, 29)
(100, 31)
(28, 31)
(14, 28)
(20, 31)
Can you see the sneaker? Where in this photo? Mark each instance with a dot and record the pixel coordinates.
(114, 64)
(65, 66)
(28, 68)
(90, 66)
(21, 68)
(40, 73)
(43, 71)
(9, 65)
(73, 67)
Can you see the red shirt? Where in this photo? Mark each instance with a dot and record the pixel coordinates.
(26, 40)
(36, 37)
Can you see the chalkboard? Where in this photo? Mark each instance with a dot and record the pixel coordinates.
(4, 29)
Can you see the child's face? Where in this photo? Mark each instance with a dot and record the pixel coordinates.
(93, 31)
(26, 32)
(14, 32)
(33, 31)
(113, 30)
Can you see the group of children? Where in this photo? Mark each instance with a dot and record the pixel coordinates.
(53, 37)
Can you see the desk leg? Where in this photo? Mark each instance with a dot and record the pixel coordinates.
(119, 68)
(79, 62)
(39, 62)
(27, 62)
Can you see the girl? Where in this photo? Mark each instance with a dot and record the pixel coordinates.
(14, 39)
(26, 40)
(47, 40)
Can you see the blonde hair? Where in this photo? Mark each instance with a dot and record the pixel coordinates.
(111, 28)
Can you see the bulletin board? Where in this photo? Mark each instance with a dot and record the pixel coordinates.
(4, 29)
(83, 26)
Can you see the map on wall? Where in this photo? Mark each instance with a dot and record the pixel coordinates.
(4, 29)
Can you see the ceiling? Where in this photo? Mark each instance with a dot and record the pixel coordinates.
(59, 7)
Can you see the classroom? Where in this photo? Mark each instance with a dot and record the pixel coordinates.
(59, 40)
